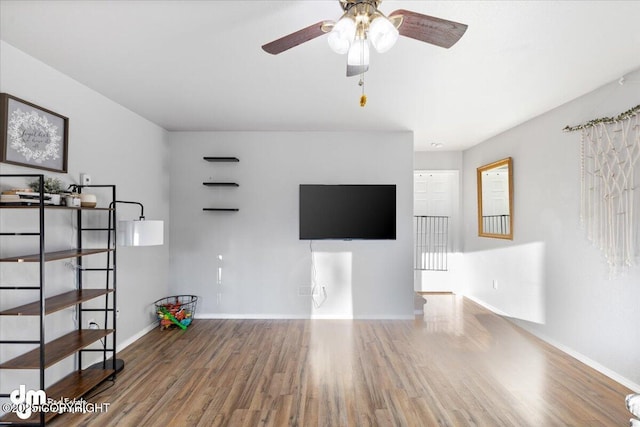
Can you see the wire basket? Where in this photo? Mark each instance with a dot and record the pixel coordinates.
(176, 311)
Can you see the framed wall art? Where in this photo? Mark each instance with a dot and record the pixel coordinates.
(32, 136)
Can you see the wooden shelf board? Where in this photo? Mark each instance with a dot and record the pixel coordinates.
(57, 349)
(36, 205)
(56, 303)
(73, 386)
(54, 256)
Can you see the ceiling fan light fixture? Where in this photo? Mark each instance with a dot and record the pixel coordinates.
(359, 53)
(358, 57)
(383, 34)
(342, 35)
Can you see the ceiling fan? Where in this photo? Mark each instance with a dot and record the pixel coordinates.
(363, 24)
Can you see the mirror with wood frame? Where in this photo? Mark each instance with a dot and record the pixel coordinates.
(495, 199)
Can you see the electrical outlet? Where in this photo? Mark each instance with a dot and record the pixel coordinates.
(85, 179)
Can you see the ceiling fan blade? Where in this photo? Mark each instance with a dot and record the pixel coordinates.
(299, 37)
(429, 29)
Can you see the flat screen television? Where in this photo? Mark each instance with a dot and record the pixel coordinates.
(347, 212)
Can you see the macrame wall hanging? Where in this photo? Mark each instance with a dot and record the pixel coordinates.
(610, 153)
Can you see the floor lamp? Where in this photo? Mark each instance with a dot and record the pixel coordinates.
(138, 232)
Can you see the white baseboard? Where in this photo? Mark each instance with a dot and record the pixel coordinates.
(97, 358)
(576, 355)
(389, 317)
(136, 337)
(247, 316)
(591, 363)
(485, 305)
(305, 316)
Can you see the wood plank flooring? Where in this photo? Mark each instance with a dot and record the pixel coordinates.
(459, 365)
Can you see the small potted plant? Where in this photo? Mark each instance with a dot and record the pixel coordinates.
(51, 186)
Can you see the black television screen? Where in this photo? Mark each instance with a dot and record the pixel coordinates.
(347, 212)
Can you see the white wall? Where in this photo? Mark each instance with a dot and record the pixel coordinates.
(115, 146)
(437, 160)
(550, 275)
(263, 261)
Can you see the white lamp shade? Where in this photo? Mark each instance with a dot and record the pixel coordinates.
(358, 57)
(383, 34)
(140, 233)
(359, 53)
(341, 35)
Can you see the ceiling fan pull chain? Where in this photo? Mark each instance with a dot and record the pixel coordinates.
(363, 97)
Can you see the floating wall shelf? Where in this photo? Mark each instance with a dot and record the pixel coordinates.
(221, 159)
(221, 184)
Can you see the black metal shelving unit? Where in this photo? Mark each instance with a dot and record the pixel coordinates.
(221, 184)
(47, 353)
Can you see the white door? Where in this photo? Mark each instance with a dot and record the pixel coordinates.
(433, 192)
(436, 194)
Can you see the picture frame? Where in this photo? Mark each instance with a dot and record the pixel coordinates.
(32, 136)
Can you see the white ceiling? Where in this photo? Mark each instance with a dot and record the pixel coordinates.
(199, 66)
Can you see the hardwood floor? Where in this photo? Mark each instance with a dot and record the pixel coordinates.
(460, 365)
